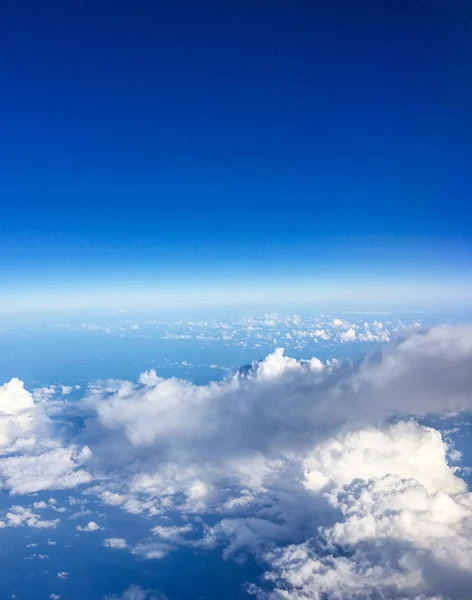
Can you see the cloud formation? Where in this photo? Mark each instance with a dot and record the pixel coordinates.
(322, 471)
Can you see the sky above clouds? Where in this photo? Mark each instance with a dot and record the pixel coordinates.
(174, 154)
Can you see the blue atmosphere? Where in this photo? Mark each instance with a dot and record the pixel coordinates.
(235, 150)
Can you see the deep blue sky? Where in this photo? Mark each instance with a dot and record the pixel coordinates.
(175, 143)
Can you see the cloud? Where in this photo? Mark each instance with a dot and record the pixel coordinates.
(33, 457)
(17, 416)
(322, 471)
(91, 526)
(18, 516)
(348, 336)
(152, 550)
(279, 405)
(336, 501)
(54, 469)
(115, 543)
(14, 398)
(404, 528)
(134, 592)
(172, 534)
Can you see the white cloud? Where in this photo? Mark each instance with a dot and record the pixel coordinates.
(406, 449)
(17, 416)
(348, 336)
(319, 470)
(115, 543)
(44, 393)
(404, 528)
(91, 526)
(367, 485)
(19, 516)
(14, 398)
(172, 534)
(54, 469)
(112, 498)
(152, 550)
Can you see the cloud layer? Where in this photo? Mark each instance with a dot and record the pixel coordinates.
(320, 470)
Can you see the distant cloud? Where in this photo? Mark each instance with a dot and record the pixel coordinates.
(348, 336)
(115, 543)
(18, 516)
(91, 526)
(134, 592)
(152, 550)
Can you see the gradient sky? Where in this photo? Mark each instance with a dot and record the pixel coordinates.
(213, 149)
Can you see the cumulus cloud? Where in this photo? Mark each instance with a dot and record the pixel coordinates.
(14, 398)
(91, 526)
(33, 457)
(320, 470)
(377, 505)
(404, 526)
(54, 469)
(17, 418)
(348, 336)
(20, 516)
(280, 404)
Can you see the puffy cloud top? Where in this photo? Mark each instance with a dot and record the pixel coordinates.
(14, 398)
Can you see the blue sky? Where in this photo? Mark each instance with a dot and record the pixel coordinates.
(235, 150)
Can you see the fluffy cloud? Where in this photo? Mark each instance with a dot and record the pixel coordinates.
(348, 336)
(14, 398)
(404, 528)
(276, 407)
(377, 506)
(20, 516)
(321, 471)
(17, 417)
(54, 469)
(91, 526)
(34, 457)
